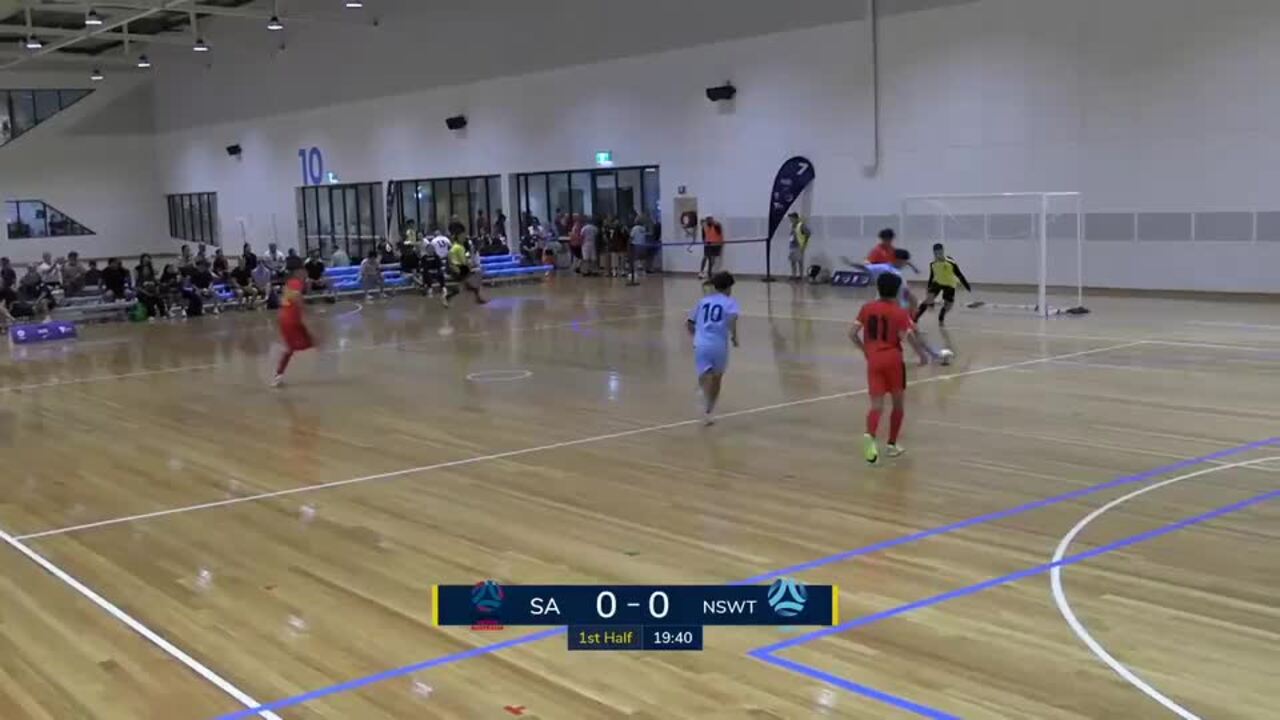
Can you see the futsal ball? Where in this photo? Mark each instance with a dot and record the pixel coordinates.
(945, 356)
(787, 597)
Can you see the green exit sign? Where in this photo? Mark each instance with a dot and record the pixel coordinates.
(604, 158)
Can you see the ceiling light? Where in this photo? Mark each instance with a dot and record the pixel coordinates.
(354, 4)
(92, 17)
(275, 24)
(200, 46)
(144, 62)
(96, 75)
(33, 43)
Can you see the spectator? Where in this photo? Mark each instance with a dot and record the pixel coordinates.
(93, 276)
(482, 224)
(32, 288)
(116, 281)
(13, 307)
(262, 278)
(293, 253)
(500, 225)
(247, 258)
(639, 240)
(274, 260)
(191, 294)
(201, 254)
(387, 251)
(50, 270)
(221, 268)
(8, 276)
(409, 260)
(371, 275)
(410, 232)
(73, 272)
(203, 281)
(150, 296)
(186, 263)
(316, 281)
(242, 286)
(563, 223)
(170, 285)
(588, 244)
(440, 244)
(579, 263)
(339, 257)
(529, 251)
(616, 246)
(145, 272)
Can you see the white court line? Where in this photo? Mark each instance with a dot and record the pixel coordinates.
(357, 348)
(154, 638)
(1248, 326)
(1064, 606)
(552, 446)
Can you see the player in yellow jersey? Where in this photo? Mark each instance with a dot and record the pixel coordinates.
(944, 278)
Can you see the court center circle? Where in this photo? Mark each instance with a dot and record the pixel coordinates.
(492, 376)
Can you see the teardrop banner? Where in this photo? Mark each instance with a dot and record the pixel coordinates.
(792, 179)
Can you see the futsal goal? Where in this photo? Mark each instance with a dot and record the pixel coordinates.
(1023, 251)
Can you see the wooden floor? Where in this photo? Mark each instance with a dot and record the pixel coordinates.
(209, 544)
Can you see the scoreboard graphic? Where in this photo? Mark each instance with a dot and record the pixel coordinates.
(634, 617)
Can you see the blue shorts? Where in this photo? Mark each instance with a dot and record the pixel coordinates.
(711, 359)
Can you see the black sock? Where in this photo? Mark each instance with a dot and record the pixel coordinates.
(942, 314)
(920, 311)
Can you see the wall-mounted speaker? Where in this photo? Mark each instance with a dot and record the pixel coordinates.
(723, 92)
(234, 150)
(457, 122)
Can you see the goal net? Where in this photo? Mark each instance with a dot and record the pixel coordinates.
(1021, 251)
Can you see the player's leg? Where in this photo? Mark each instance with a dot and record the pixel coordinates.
(281, 366)
(931, 297)
(877, 387)
(896, 415)
(948, 301)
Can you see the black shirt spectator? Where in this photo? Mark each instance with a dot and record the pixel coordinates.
(220, 265)
(115, 278)
(241, 276)
(248, 259)
(8, 276)
(145, 272)
(315, 268)
(93, 276)
(201, 277)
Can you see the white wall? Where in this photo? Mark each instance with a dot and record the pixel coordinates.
(94, 161)
(1143, 105)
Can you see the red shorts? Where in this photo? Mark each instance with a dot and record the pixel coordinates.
(295, 336)
(886, 374)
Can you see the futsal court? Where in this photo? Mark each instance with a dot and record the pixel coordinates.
(1083, 526)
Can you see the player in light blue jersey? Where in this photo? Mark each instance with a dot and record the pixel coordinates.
(713, 323)
(901, 259)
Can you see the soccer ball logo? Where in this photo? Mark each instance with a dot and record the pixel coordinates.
(787, 597)
(486, 597)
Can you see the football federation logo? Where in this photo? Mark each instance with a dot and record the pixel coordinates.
(486, 597)
(787, 597)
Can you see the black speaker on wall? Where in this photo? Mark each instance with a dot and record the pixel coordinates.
(234, 150)
(723, 92)
(457, 122)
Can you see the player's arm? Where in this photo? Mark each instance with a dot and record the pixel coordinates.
(690, 324)
(960, 275)
(733, 329)
(855, 334)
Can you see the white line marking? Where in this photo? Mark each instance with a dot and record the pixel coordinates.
(551, 446)
(1064, 606)
(169, 648)
(1249, 326)
(488, 376)
(349, 313)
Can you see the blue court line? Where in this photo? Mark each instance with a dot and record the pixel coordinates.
(767, 654)
(791, 570)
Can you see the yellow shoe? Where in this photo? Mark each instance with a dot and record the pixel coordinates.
(869, 450)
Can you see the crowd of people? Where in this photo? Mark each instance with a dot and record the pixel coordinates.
(597, 246)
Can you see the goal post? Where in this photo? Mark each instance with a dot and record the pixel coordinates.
(1029, 244)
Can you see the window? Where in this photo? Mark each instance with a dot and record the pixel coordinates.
(194, 217)
(557, 196)
(38, 219)
(21, 110)
(431, 203)
(341, 216)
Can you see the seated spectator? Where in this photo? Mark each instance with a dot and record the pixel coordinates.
(371, 276)
(248, 259)
(316, 281)
(262, 279)
(151, 298)
(93, 276)
(529, 250)
(13, 308)
(170, 286)
(191, 294)
(116, 282)
(409, 259)
(204, 281)
(73, 274)
(201, 253)
(242, 286)
(32, 288)
(387, 251)
(8, 276)
(273, 258)
(339, 257)
(221, 268)
(186, 263)
(145, 271)
(50, 270)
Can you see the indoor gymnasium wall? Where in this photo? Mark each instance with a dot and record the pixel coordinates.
(95, 162)
(1159, 111)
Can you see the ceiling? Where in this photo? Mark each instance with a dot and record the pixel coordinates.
(51, 20)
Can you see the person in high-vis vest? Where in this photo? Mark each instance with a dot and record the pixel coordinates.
(800, 235)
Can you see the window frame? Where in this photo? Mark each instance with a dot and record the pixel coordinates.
(186, 221)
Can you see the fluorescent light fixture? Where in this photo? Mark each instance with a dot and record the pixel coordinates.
(33, 43)
(92, 18)
(274, 24)
(96, 75)
(144, 62)
(200, 46)
(354, 4)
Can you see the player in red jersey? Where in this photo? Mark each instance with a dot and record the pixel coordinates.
(878, 332)
(292, 330)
